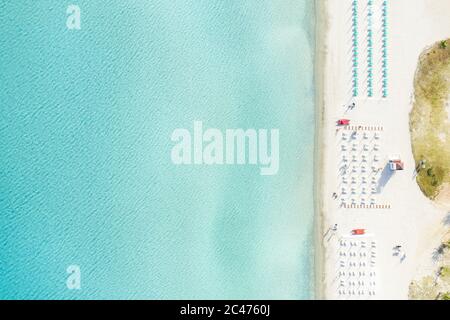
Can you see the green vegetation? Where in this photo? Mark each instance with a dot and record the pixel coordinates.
(445, 272)
(430, 130)
(447, 244)
(430, 138)
(437, 285)
(423, 289)
(445, 296)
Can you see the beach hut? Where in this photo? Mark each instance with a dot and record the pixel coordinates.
(396, 164)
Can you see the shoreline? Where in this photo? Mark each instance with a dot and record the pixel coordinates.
(321, 29)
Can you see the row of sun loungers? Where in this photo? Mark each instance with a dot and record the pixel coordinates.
(365, 206)
(365, 136)
(367, 128)
(366, 147)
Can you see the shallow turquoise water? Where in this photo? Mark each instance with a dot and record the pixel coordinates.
(85, 172)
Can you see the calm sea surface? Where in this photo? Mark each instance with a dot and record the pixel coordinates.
(86, 176)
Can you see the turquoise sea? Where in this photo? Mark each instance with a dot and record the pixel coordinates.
(86, 176)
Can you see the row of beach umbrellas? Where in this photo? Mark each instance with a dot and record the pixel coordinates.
(355, 47)
(369, 51)
(384, 49)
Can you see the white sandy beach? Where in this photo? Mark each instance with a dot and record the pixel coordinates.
(399, 213)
